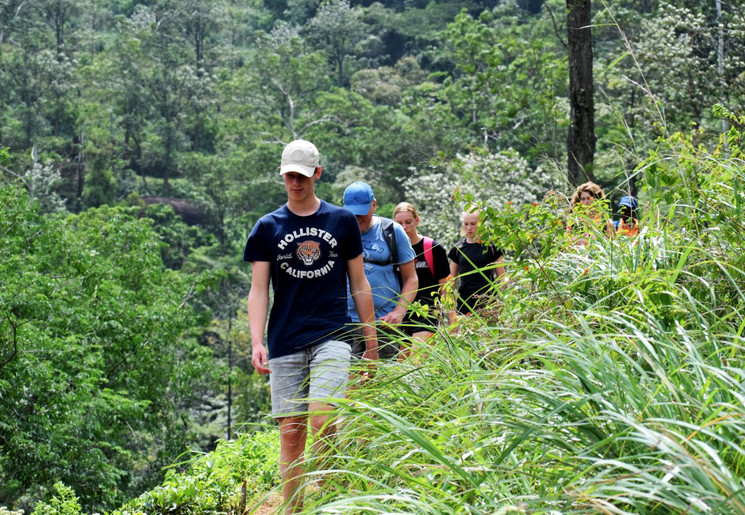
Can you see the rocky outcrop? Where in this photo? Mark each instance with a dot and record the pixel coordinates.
(189, 211)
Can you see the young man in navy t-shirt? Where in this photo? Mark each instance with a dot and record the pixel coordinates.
(308, 248)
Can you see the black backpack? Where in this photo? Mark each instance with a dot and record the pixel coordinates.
(390, 239)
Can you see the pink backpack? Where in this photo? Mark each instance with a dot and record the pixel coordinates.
(428, 256)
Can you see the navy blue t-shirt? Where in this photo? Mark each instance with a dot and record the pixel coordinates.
(308, 256)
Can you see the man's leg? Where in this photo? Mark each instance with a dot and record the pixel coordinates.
(289, 386)
(329, 372)
(292, 435)
(322, 426)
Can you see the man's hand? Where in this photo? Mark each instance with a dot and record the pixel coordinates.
(259, 359)
(370, 361)
(393, 318)
(370, 356)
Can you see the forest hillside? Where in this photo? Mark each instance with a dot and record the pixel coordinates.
(140, 142)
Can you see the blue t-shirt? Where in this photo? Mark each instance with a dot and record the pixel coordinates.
(382, 278)
(308, 256)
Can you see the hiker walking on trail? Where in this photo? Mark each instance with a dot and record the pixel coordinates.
(588, 216)
(432, 270)
(309, 250)
(628, 219)
(474, 265)
(389, 266)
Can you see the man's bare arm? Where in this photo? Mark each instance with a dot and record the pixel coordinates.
(363, 302)
(258, 306)
(408, 294)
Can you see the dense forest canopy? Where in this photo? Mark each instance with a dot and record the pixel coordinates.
(139, 142)
(191, 99)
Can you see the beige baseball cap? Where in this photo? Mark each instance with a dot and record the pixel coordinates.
(299, 156)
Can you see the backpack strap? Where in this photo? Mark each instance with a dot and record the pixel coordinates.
(389, 234)
(390, 238)
(428, 256)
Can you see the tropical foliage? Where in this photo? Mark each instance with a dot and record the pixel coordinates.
(139, 143)
(99, 367)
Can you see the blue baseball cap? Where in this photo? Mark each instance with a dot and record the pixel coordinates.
(358, 197)
(628, 201)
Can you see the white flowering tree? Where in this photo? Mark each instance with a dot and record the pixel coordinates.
(431, 191)
(662, 76)
(41, 181)
(494, 179)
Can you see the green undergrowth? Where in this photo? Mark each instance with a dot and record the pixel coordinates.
(231, 479)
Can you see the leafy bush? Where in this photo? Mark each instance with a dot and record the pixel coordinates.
(223, 481)
(63, 503)
(98, 368)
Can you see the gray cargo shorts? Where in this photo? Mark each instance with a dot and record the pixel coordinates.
(317, 373)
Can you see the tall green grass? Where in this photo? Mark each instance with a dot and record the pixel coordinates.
(606, 379)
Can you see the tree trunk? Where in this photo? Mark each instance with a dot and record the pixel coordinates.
(230, 376)
(581, 133)
(79, 163)
(720, 71)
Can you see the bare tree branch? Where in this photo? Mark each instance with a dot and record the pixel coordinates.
(557, 30)
(13, 341)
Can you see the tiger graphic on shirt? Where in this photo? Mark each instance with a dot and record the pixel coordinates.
(308, 252)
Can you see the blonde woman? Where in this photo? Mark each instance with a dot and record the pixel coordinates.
(467, 258)
(431, 265)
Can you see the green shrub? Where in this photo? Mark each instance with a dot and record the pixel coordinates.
(63, 503)
(214, 482)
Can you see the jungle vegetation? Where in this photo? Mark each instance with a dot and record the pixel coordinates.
(140, 141)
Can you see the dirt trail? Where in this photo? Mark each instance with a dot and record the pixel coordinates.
(268, 507)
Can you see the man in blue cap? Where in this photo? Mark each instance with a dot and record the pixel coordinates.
(389, 264)
(312, 252)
